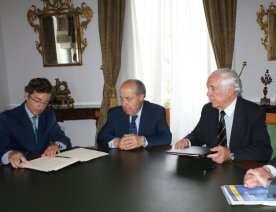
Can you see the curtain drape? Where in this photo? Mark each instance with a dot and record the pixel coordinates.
(142, 45)
(221, 21)
(111, 20)
(191, 65)
(165, 39)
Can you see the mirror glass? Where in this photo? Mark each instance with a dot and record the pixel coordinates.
(60, 27)
(60, 40)
(271, 48)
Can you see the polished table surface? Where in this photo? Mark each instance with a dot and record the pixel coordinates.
(132, 181)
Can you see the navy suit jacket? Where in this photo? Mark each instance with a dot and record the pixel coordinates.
(153, 125)
(16, 131)
(272, 162)
(249, 138)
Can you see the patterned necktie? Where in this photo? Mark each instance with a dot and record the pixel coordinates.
(132, 126)
(34, 118)
(222, 140)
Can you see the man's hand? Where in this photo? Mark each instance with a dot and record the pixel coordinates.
(51, 150)
(257, 177)
(17, 159)
(128, 142)
(222, 154)
(183, 143)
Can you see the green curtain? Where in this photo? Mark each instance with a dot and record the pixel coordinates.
(221, 21)
(111, 20)
(271, 128)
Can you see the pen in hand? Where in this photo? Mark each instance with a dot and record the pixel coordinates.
(60, 156)
(209, 169)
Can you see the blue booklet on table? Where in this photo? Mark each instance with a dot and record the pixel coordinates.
(241, 195)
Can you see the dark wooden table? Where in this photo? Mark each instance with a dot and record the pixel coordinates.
(131, 181)
(270, 108)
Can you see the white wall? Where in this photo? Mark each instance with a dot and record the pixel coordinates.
(248, 48)
(23, 62)
(4, 92)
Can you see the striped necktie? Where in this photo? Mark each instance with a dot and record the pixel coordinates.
(221, 137)
(132, 126)
(34, 118)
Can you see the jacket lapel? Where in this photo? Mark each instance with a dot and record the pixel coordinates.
(26, 123)
(237, 122)
(125, 123)
(145, 115)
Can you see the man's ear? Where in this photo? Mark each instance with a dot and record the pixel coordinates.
(231, 91)
(141, 97)
(26, 96)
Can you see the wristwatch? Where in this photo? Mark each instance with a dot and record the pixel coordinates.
(58, 144)
(231, 156)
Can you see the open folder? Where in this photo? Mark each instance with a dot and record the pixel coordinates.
(192, 151)
(63, 159)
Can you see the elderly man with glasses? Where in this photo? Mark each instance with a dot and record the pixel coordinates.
(31, 128)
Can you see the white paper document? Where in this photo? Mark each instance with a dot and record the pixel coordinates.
(64, 159)
(82, 154)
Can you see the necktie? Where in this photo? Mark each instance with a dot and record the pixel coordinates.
(34, 118)
(132, 126)
(222, 140)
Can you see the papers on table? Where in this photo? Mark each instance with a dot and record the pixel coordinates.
(241, 195)
(82, 154)
(192, 151)
(63, 159)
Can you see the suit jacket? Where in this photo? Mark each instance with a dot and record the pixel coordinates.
(16, 131)
(249, 138)
(153, 125)
(272, 162)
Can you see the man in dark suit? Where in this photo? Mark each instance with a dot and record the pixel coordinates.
(244, 129)
(260, 176)
(31, 128)
(149, 127)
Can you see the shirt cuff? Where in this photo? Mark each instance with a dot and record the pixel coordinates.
(111, 143)
(272, 170)
(61, 146)
(5, 158)
(146, 143)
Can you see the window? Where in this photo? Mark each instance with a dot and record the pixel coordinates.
(166, 45)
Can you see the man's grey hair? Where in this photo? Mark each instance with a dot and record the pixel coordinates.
(230, 78)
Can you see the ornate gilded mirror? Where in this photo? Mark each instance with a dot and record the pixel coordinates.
(60, 27)
(267, 22)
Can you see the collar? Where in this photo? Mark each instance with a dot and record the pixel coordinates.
(29, 112)
(139, 112)
(231, 108)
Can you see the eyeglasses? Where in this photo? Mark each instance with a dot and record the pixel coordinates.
(37, 100)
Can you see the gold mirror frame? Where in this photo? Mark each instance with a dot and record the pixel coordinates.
(267, 22)
(70, 40)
